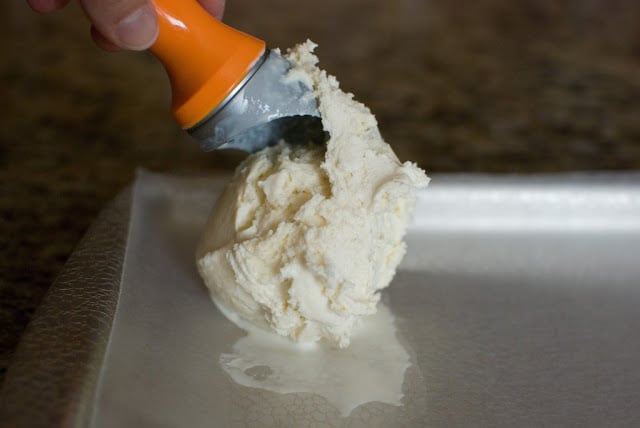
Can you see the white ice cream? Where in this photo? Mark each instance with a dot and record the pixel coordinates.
(303, 238)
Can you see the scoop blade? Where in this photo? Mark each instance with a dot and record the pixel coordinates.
(267, 107)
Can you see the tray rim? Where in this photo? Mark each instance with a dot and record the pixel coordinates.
(53, 376)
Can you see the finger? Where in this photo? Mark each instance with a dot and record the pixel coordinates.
(47, 5)
(102, 41)
(129, 24)
(214, 7)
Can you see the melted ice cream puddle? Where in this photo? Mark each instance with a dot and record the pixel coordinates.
(371, 369)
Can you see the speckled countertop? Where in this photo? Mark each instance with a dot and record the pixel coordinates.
(490, 85)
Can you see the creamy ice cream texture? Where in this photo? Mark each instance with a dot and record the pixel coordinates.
(304, 237)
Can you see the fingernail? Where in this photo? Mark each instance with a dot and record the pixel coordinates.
(138, 30)
(43, 5)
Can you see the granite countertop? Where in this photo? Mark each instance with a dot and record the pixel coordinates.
(491, 86)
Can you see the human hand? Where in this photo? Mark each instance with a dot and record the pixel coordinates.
(122, 24)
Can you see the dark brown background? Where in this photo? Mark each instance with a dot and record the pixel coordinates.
(491, 85)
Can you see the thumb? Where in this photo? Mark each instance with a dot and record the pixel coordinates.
(128, 24)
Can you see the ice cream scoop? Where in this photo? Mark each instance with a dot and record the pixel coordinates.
(303, 238)
(229, 90)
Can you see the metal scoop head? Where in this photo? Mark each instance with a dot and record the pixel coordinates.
(264, 108)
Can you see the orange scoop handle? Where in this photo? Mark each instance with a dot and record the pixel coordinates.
(204, 58)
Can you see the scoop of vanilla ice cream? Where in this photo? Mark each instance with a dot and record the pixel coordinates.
(304, 237)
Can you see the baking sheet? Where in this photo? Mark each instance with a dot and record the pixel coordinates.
(517, 301)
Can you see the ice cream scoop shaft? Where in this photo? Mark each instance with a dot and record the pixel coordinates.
(204, 58)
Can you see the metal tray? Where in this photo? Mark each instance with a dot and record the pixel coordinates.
(518, 301)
